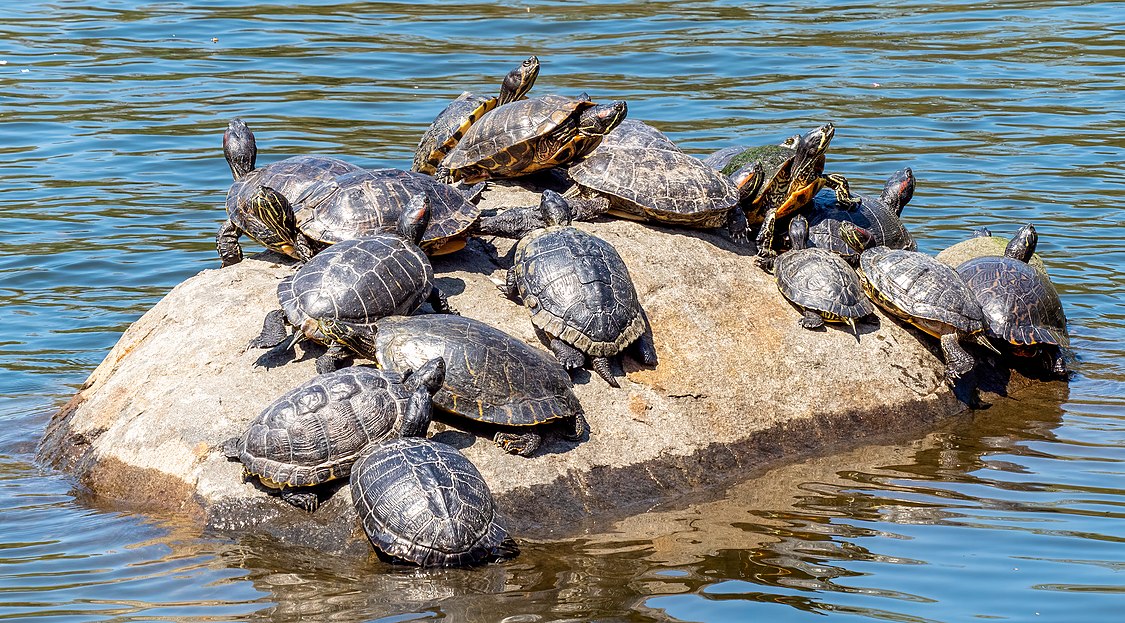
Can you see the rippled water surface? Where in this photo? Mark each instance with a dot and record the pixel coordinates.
(111, 114)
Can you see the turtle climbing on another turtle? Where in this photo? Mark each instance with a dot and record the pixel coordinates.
(579, 293)
(1019, 302)
(258, 202)
(530, 135)
(456, 118)
(929, 295)
(422, 502)
(819, 282)
(356, 281)
(490, 376)
(313, 433)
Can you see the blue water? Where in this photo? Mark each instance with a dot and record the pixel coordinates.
(111, 116)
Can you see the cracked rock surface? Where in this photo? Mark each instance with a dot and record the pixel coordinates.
(739, 386)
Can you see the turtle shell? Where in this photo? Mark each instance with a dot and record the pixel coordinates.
(982, 246)
(871, 214)
(578, 289)
(822, 281)
(920, 290)
(423, 502)
(315, 431)
(450, 124)
(636, 134)
(1019, 302)
(490, 376)
(657, 184)
(777, 165)
(358, 281)
(291, 177)
(505, 142)
(366, 202)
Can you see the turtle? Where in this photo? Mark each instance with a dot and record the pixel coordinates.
(579, 293)
(314, 432)
(931, 296)
(1019, 302)
(368, 201)
(258, 200)
(761, 173)
(877, 215)
(422, 502)
(636, 134)
(776, 202)
(490, 376)
(660, 185)
(530, 135)
(357, 281)
(819, 282)
(982, 244)
(452, 122)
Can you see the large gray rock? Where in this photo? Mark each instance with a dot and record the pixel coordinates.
(739, 386)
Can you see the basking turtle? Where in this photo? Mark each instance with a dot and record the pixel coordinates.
(258, 201)
(490, 376)
(982, 244)
(1019, 302)
(878, 215)
(819, 282)
(530, 135)
(313, 433)
(356, 281)
(929, 295)
(365, 202)
(775, 202)
(423, 502)
(579, 293)
(452, 122)
(636, 134)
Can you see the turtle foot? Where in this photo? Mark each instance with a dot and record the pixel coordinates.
(569, 356)
(1058, 366)
(811, 320)
(273, 331)
(232, 448)
(522, 444)
(574, 433)
(331, 360)
(601, 366)
(304, 500)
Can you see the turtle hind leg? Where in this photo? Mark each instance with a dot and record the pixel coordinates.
(958, 361)
(811, 320)
(573, 429)
(569, 356)
(232, 448)
(226, 243)
(330, 361)
(523, 444)
(304, 500)
(1057, 363)
(273, 331)
(645, 346)
(738, 228)
(601, 366)
(440, 304)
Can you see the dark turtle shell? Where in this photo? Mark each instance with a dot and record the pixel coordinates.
(315, 431)
(423, 502)
(366, 202)
(1019, 302)
(636, 134)
(657, 184)
(823, 282)
(358, 281)
(578, 289)
(490, 376)
(878, 215)
(920, 290)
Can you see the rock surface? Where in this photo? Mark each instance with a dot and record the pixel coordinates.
(739, 387)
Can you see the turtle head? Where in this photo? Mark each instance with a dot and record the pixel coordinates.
(358, 338)
(274, 224)
(1022, 245)
(415, 218)
(519, 81)
(898, 190)
(810, 150)
(429, 375)
(799, 233)
(749, 180)
(602, 119)
(240, 148)
(554, 208)
(856, 237)
(423, 383)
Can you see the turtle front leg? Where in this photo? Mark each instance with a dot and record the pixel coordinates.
(738, 228)
(303, 247)
(511, 223)
(515, 443)
(587, 208)
(601, 366)
(304, 500)
(437, 300)
(844, 195)
(812, 320)
(1057, 362)
(226, 242)
(274, 330)
(569, 356)
(330, 360)
(958, 361)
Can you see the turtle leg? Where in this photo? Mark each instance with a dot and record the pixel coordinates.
(569, 356)
(304, 500)
(572, 429)
(587, 208)
(958, 361)
(440, 304)
(522, 444)
(330, 360)
(303, 247)
(601, 366)
(511, 223)
(738, 228)
(844, 195)
(443, 174)
(226, 242)
(1057, 363)
(645, 347)
(273, 331)
(510, 288)
(812, 320)
(232, 448)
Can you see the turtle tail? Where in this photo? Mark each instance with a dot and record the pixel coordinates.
(601, 366)
(983, 340)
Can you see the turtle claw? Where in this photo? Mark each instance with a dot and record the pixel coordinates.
(522, 444)
(304, 500)
(811, 320)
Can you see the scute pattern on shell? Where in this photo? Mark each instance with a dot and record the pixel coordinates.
(490, 376)
(1020, 303)
(314, 432)
(424, 502)
(821, 281)
(450, 124)
(885, 226)
(358, 281)
(921, 288)
(636, 134)
(661, 185)
(578, 289)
